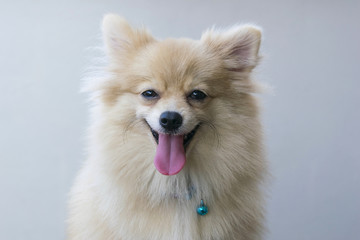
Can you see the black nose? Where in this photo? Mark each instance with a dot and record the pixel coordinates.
(170, 121)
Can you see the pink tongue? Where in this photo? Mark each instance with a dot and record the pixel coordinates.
(170, 154)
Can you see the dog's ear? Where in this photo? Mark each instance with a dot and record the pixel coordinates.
(238, 46)
(120, 38)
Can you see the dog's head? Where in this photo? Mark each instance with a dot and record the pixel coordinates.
(176, 88)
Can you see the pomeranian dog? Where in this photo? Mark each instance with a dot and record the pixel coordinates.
(175, 144)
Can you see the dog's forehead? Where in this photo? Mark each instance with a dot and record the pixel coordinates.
(178, 62)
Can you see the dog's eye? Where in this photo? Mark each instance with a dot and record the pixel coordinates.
(150, 94)
(197, 95)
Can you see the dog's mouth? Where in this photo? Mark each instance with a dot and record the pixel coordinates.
(187, 137)
(170, 150)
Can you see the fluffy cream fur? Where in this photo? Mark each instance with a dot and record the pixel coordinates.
(119, 194)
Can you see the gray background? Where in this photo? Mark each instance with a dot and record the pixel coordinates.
(312, 119)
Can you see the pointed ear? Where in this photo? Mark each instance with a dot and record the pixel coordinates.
(238, 46)
(120, 38)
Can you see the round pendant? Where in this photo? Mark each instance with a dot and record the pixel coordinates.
(202, 209)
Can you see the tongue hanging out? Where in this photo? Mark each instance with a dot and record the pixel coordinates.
(170, 154)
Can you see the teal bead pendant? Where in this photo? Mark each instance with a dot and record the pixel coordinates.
(202, 209)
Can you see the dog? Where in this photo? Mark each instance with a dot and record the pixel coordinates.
(175, 143)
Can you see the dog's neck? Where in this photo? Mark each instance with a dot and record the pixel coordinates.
(191, 191)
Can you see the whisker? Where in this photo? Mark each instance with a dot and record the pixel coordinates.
(213, 129)
(129, 125)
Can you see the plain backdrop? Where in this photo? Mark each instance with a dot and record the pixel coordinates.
(311, 120)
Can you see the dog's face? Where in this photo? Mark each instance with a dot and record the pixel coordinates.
(173, 98)
(177, 86)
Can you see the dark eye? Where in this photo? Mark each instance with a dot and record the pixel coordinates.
(197, 95)
(150, 94)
